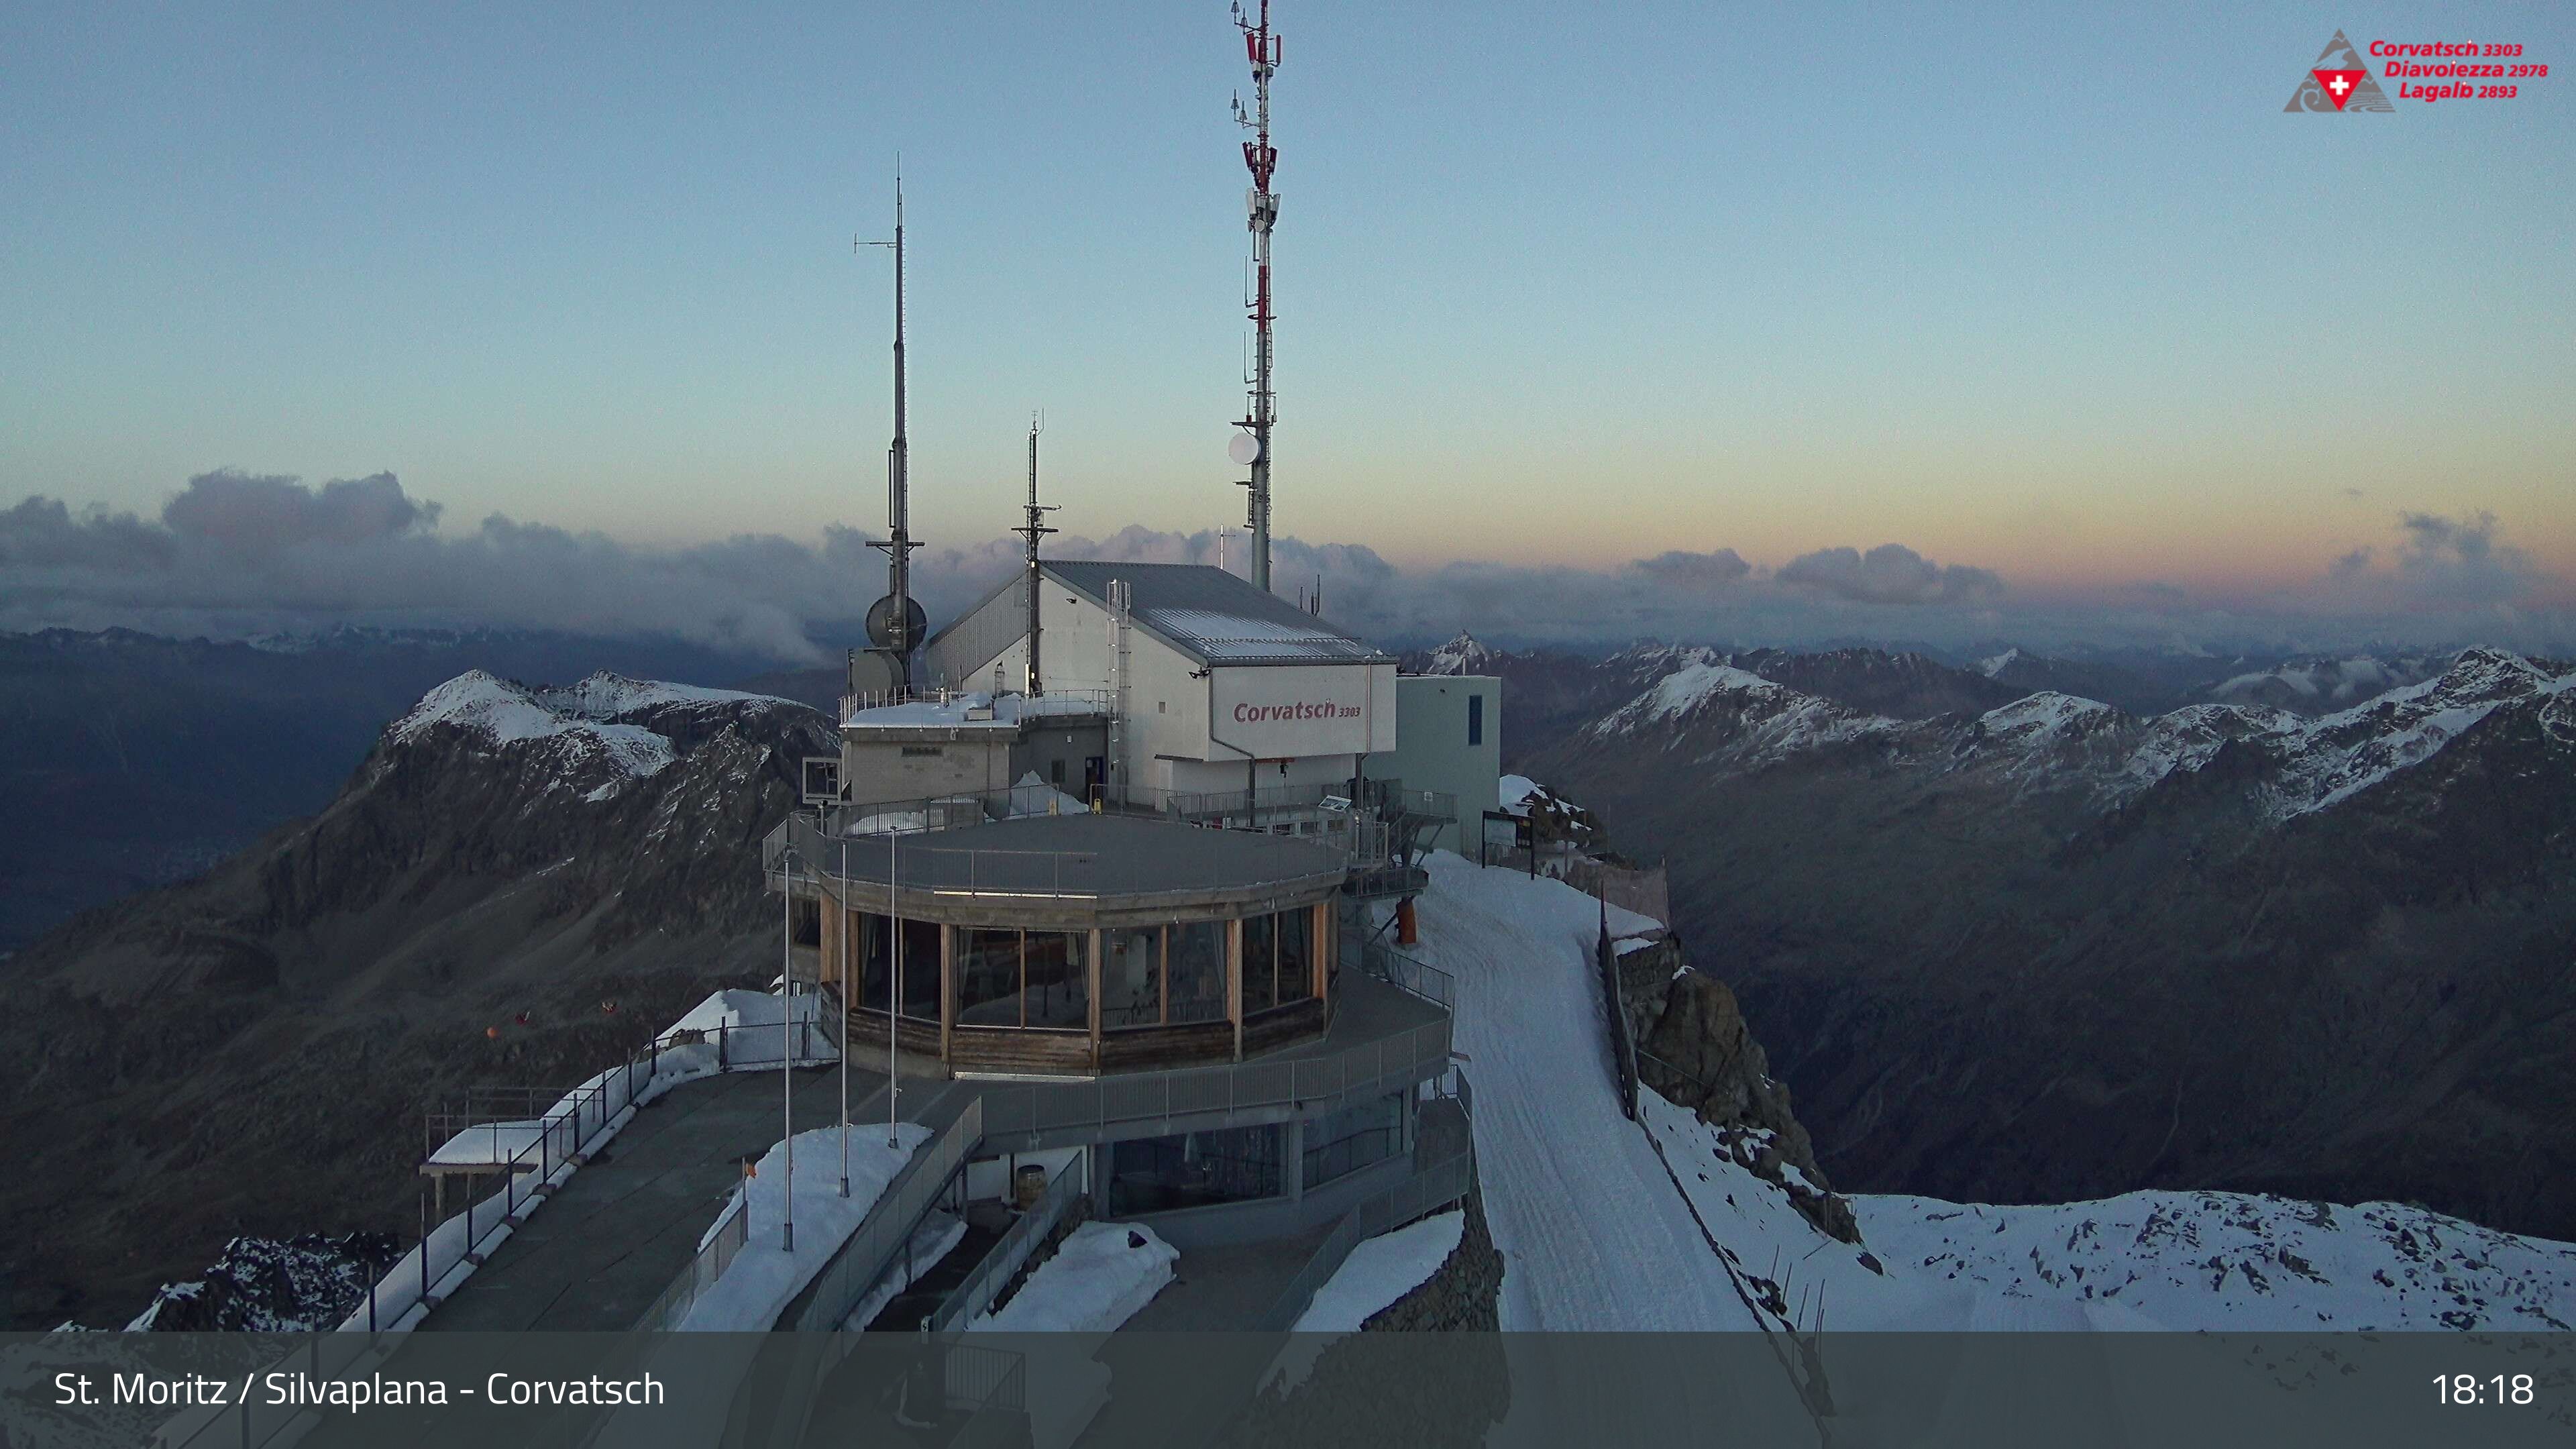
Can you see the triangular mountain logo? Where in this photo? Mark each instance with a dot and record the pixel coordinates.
(2339, 82)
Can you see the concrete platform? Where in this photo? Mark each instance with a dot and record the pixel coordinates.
(623, 1227)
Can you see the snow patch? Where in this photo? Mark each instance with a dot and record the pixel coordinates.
(757, 1285)
(1098, 1278)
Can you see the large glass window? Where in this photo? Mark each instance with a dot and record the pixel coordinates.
(1260, 964)
(1131, 977)
(1296, 955)
(988, 978)
(920, 983)
(1056, 970)
(1195, 1169)
(1196, 960)
(1353, 1138)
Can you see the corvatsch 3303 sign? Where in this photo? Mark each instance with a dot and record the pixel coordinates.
(1284, 712)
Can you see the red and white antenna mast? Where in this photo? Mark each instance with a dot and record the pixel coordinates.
(1261, 48)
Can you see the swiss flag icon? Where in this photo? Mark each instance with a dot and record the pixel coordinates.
(2339, 83)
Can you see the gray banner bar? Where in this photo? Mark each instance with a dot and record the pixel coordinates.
(561, 1391)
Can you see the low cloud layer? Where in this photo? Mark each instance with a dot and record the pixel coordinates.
(2440, 562)
(236, 555)
(1891, 574)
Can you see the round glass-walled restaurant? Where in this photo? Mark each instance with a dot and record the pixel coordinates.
(1074, 944)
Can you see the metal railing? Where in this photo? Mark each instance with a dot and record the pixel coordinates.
(1403, 972)
(855, 1266)
(1020, 706)
(1024, 1238)
(732, 1231)
(1022, 874)
(1623, 1046)
(1311, 1084)
(995, 1383)
(563, 1132)
(1427, 1190)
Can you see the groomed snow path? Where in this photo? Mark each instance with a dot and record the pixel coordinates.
(1593, 1233)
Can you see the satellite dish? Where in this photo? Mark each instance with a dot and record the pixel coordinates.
(1245, 449)
(881, 621)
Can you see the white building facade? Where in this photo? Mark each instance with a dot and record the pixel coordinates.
(1211, 685)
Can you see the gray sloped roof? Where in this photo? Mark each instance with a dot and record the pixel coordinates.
(1217, 618)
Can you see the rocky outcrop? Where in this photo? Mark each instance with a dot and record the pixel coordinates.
(1463, 1295)
(1426, 1370)
(1694, 1047)
(264, 1285)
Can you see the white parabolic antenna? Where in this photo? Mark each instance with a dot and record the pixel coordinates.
(1243, 449)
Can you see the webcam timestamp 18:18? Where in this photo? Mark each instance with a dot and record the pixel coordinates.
(2492, 1389)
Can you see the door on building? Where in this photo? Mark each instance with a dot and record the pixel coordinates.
(1095, 778)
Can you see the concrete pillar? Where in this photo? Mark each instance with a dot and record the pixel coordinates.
(1293, 1150)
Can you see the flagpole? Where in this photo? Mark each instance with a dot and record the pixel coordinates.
(786, 1041)
(849, 954)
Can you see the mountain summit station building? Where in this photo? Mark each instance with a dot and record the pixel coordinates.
(1131, 909)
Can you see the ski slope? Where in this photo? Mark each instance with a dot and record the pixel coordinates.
(1592, 1232)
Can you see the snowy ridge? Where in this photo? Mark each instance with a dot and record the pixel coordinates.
(500, 714)
(1771, 719)
(1462, 655)
(2188, 1260)
(2329, 681)
(1661, 1225)
(2339, 755)
(1995, 666)
(588, 727)
(2048, 740)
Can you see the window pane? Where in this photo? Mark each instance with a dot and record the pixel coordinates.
(876, 962)
(1158, 1174)
(1198, 971)
(1475, 719)
(1296, 955)
(1352, 1138)
(920, 983)
(988, 978)
(1260, 964)
(1059, 979)
(1131, 981)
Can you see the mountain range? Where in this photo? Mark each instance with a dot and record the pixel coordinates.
(2054, 949)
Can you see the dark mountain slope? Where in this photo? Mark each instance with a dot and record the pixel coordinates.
(129, 761)
(248, 1053)
(2058, 951)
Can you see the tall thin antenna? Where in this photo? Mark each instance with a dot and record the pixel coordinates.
(1261, 48)
(896, 624)
(1033, 530)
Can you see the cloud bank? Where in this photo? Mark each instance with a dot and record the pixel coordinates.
(236, 555)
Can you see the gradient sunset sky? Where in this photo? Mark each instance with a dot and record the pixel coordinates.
(2051, 290)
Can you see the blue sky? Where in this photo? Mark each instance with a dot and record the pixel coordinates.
(2056, 291)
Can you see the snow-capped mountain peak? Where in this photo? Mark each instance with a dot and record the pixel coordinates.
(1464, 654)
(600, 733)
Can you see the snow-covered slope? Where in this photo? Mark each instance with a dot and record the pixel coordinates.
(1661, 1224)
(2311, 685)
(603, 732)
(1591, 1232)
(1734, 721)
(2194, 1260)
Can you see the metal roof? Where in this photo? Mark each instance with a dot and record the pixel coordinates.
(1216, 617)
